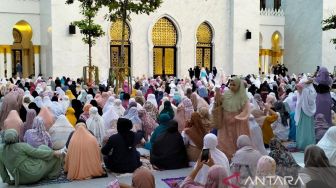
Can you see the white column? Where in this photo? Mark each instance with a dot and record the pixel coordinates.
(2, 65)
(37, 64)
(9, 65)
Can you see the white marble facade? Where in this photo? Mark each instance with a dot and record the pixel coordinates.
(65, 54)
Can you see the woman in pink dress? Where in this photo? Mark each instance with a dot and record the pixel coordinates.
(230, 116)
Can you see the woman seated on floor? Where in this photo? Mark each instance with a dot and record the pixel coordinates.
(193, 136)
(328, 144)
(168, 150)
(142, 178)
(218, 157)
(164, 120)
(317, 167)
(266, 172)
(60, 131)
(215, 177)
(26, 164)
(37, 135)
(245, 160)
(120, 154)
(83, 160)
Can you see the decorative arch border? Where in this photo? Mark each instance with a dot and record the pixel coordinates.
(212, 42)
(281, 38)
(130, 43)
(151, 45)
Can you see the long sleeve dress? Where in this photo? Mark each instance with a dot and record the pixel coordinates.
(27, 164)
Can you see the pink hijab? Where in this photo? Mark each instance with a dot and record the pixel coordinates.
(216, 175)
(13, 121)
(47, 117)
(12, 101)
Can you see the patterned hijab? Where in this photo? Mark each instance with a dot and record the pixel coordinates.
(282, 156)
(37, 135)
(215, 177)
(234, 102)
(266, 166)
(151, 110)
(148, 123)
(133, 116)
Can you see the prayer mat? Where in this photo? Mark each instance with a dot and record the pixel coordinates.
(61, 179)
(291, 146)
(174, 182)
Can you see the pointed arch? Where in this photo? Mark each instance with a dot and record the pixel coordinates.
(164, 38)
(204, 36)
(115, 44)
(277, 51)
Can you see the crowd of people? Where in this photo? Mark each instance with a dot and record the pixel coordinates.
(242, 122)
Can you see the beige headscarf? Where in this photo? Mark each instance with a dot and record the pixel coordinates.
(234, 102)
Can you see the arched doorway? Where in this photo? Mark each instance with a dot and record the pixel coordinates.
(115, 46)
(164, 37)
(204, 46)
(276, 48)
(22, 49)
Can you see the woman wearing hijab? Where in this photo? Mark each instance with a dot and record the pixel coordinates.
(13, 121)
(95, 124)
(216, 175)
(70, 115)
(109, 104)
(133, 115)
(120, 154)
(33, 106)
(198, 101)
(266, 170)
(47, 117)
(31, 114)
(60, 132)
(162, 128)
(323, 98)
(245, 160)
(256, 135)
(70, 95)
(150, 96)
(328, 143)
(151, 110)
(168, 151)
(280, 126)
(286, 164)
(265, 122)
(95, 104)
(37, 135)
(304, 114)
(148, 123)
(78, 107)
(110, 123)
(83, 160)
(321, 126)
(86, 112)
(183, 114)
(11, 101)
(231, 111)
(317, 167)
(168, 109)
(218, 157)
(193, 137)
(290, 101)
(24, 163)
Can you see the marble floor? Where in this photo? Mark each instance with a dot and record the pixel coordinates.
(127, 178)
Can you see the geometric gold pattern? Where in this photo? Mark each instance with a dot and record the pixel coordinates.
(204, 35)
(164, 33)
(116, 32)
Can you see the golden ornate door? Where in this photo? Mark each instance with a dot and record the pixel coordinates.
(164, 61)
(115, 54)
(164, 38)
(204, 46)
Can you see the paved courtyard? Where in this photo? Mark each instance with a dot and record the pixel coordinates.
(127, 178)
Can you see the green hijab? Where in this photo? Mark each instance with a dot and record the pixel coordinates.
(168, 109)
(11, 137)
(234, 102)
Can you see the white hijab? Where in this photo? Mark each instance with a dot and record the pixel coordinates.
(306, 101)
(151, 98)
(60, 132)
(109, 104)
(328, 144)
(95, 123)
(219, 158)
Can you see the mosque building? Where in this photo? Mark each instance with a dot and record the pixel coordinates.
(236, 36)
